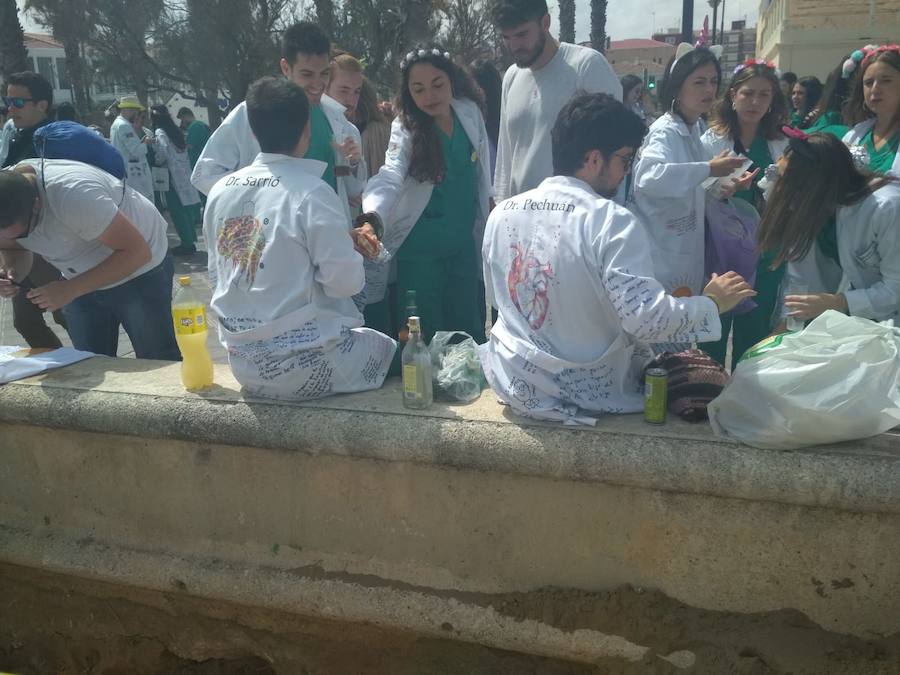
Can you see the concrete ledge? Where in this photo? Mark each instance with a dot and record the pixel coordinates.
(145, 399)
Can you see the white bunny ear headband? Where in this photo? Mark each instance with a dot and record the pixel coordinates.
(686, 48)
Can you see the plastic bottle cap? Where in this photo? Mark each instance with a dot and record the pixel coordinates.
(184, 281)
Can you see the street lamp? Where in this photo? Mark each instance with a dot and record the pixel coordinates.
(687, 21)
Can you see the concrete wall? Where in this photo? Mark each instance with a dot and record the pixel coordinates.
(355, 509)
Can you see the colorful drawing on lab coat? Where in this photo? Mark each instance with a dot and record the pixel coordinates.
(242, 242)
(528, 281)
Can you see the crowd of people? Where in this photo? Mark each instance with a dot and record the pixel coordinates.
(539, 211)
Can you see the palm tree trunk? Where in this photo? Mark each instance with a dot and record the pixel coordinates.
(598, 25)
(567, 21)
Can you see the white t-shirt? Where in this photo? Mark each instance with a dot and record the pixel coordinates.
(531, 102)
(78, 203)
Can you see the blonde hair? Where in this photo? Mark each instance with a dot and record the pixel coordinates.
(345, 61)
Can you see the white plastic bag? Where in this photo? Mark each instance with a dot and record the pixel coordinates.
(835, 381)
(456, 366)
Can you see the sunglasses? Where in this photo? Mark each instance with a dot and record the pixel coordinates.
(16, 101)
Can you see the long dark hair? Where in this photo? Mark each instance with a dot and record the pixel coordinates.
(813, 88)
(367, 110)
(675, 78)
(427, 161)
(161, 119)
(819, 177)
(834, 98)
(855, 111)
(724, 117)
(488, 78)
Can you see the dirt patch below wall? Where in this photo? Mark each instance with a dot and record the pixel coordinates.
(61, 625)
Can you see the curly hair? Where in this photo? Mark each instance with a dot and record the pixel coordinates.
(724, 119)
(427, 161)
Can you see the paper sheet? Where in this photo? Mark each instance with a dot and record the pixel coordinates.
(17, 363)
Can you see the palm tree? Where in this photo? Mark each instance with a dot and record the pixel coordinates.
(567, 20)
(598, 25)
(715, 8)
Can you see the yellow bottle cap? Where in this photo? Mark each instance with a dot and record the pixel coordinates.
(184, 281)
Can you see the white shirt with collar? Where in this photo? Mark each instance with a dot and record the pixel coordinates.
(573, 283)
(670, 200)
(284, 271)
(399, 199)
(233, 146)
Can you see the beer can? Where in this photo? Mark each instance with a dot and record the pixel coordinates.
(656, 385)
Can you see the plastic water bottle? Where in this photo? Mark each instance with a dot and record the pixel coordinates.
(416, 361)
(189, 316)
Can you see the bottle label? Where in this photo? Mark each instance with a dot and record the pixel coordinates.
(410, 382)
(189, 320)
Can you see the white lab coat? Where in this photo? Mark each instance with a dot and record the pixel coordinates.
(868, 238)
(7, 133)
(126, 141)
(233, 146)
(670, 200)
(856, 135)
(283, 271)
(572, 280)
(399, 199)
(179, 165)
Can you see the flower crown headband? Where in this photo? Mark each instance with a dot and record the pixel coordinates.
(749, 63)
(863, 56)
(417, 55)
(686, 48)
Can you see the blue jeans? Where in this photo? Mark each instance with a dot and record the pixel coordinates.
(143, 306)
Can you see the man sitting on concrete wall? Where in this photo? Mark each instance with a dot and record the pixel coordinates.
(283, 267)
(572, 280)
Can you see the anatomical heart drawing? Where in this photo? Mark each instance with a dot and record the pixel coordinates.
(528, 282)
(242, 241)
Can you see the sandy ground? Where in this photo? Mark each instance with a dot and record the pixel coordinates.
(60, 625)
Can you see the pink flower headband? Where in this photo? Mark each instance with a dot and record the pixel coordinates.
(864, 56)
(756, 62)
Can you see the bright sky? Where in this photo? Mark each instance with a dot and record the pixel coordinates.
(631, 18)
(641, 18)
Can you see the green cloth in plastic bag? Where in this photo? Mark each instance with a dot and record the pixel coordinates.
(456, 367)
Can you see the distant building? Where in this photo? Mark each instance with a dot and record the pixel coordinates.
(739, 45)
(672, 37)
(48, 58)
(645, 58)
(810, 37)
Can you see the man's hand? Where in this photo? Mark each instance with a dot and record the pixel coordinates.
(349, 150)
(728, 290)
(808, 307)
(364, 241)
(8, 286)
(54, 295)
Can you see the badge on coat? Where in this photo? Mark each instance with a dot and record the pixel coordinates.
(474, 156)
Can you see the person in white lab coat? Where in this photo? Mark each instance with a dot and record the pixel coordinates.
(571, 276)
(283, 267)
(433, 195)
(133, 146)
(305, 60)
(182, 199)
(874, 107)
(669, 195)
(829, 220)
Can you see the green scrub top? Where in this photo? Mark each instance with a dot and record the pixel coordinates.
(197, 135)
(761, 158)
(320, 144)
(445, 226)
(829, 123)
(881, 160)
